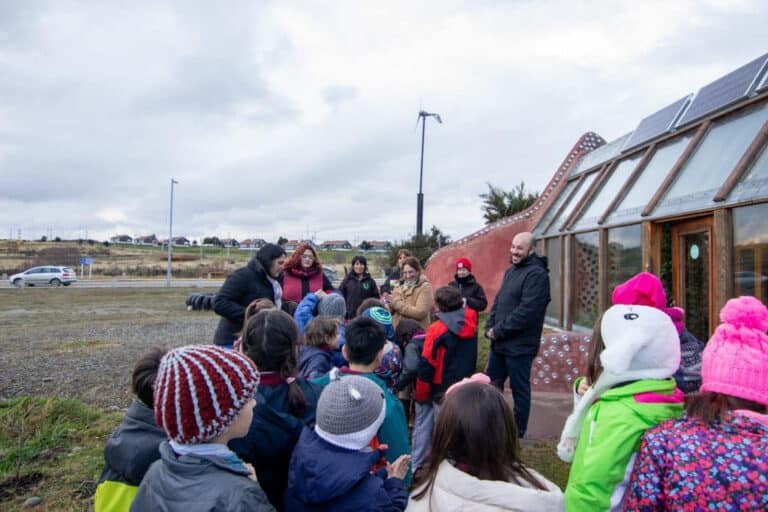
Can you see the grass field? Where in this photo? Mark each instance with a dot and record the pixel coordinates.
(66, 355)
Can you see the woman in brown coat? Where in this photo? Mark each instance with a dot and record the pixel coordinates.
(412, 296)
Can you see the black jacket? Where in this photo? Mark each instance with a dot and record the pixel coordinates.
(393, 277)
(242, 287)
(355, 290)
(472, 291)
(517, 315)
(273, 434)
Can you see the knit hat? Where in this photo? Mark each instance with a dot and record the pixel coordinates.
(332, 304)
(382, 317)
(464, 263)
(643, 289)
(350, 411)
(641, 342)
(735, 360)
(200, 390)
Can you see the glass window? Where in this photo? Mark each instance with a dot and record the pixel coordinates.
(600, 155)
(554, 257)
(750, 251)
(712, 161)
(611, 187)
(649, 181)
(625, 254)
(755, 183)
(586, 182)
(555, 206)
(586, 279)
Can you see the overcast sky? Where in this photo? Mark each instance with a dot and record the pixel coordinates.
(282, 118)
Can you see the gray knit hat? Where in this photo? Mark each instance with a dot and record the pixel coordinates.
(350, 411)
(332, 304)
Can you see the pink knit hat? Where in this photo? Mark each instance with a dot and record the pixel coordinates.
(643, 289)
(735, 360)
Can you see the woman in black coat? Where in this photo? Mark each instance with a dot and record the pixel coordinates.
(358, 285)
(470, 289)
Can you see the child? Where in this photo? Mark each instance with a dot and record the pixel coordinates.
(364, 350)
(331, 466)
(449, 355)
(392, 360)
(410, 337)
(323, 304)
(474, 461)
(284, 404)
(321, 338)
(133, 446)
(716, 455)
(635, 391)
(471, 291)
(203, 399)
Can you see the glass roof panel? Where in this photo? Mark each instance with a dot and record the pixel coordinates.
(754, 184)
(562, 196)
(586, 182)
(649, 181)
(711, 163)
(599, 156)
(611, 187)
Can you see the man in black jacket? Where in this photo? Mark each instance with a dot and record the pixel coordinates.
(515, 324)
(259, 279)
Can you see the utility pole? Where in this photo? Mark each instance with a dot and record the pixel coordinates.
(170, 237)
(420, 196)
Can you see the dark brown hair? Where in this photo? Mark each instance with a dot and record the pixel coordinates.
(271, 341)
(145, 374)
(320, 330)
(596, 347)
(256, 306)
(476, 428)
(295, 260)
(412, 262)
(405, 331)
(448, 299)
(403, 252)
(709, 406)
(370, 302)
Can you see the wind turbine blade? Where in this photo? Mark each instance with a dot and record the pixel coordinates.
(437, 116)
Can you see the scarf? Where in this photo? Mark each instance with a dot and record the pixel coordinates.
(277, 290)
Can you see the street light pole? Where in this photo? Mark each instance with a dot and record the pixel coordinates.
(420, 196)
(170, 238)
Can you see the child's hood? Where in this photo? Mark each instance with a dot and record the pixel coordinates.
(461, 322)
(320, 471)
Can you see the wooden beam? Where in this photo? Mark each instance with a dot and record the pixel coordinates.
(571, 297)
(602, 176)
(630, 181)
(649, 248)
(723, 259)
(692, 145)
(602, 270)
(561, 304)
(744, 163)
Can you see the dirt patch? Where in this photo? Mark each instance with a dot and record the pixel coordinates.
(14, 486)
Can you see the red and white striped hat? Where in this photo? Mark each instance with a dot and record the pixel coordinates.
(200, 390)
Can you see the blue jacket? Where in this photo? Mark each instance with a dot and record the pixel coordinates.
(314, 362)
(324, 477)
(273, 434)
(306, 311)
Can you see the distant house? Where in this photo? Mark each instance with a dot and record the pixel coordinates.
(379, 246)
(146, 240)
(291, 245)
(336, 245)
(121, 239)
(181, 241)
(252, 244)
(230, 242)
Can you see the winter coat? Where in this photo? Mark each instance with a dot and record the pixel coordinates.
(130, 450)
(685, 464)
(517, 315)
(356, 289)
(192, 482)
(305, 312)
(472, 291)
(273, 435)
(297, 283)
(414, 303)
(324, 477)
(410, 362)
(242, 287)
(314, 361)
(394, 431)
(391, 281)
(457, 491)
(688, 376)
(610, 437)
(449, 353)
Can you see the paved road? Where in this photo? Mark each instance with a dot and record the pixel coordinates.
(138, 283)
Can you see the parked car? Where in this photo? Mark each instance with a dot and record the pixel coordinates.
(53, 276)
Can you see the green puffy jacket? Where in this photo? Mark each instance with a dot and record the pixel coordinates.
(610, 438)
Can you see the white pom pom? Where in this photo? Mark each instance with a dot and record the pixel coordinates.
(355, 394)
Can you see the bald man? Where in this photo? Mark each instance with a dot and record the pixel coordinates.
(515, 323)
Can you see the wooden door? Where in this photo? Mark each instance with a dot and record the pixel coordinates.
(692, 273)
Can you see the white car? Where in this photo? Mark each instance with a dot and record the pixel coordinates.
(53, 276)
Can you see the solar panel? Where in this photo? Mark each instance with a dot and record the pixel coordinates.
(764, 85)
(600, 155)
(657, 124)
(725, 90)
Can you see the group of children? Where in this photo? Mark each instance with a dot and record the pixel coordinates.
(303, 415)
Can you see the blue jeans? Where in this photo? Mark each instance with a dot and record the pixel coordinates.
(518, 369)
